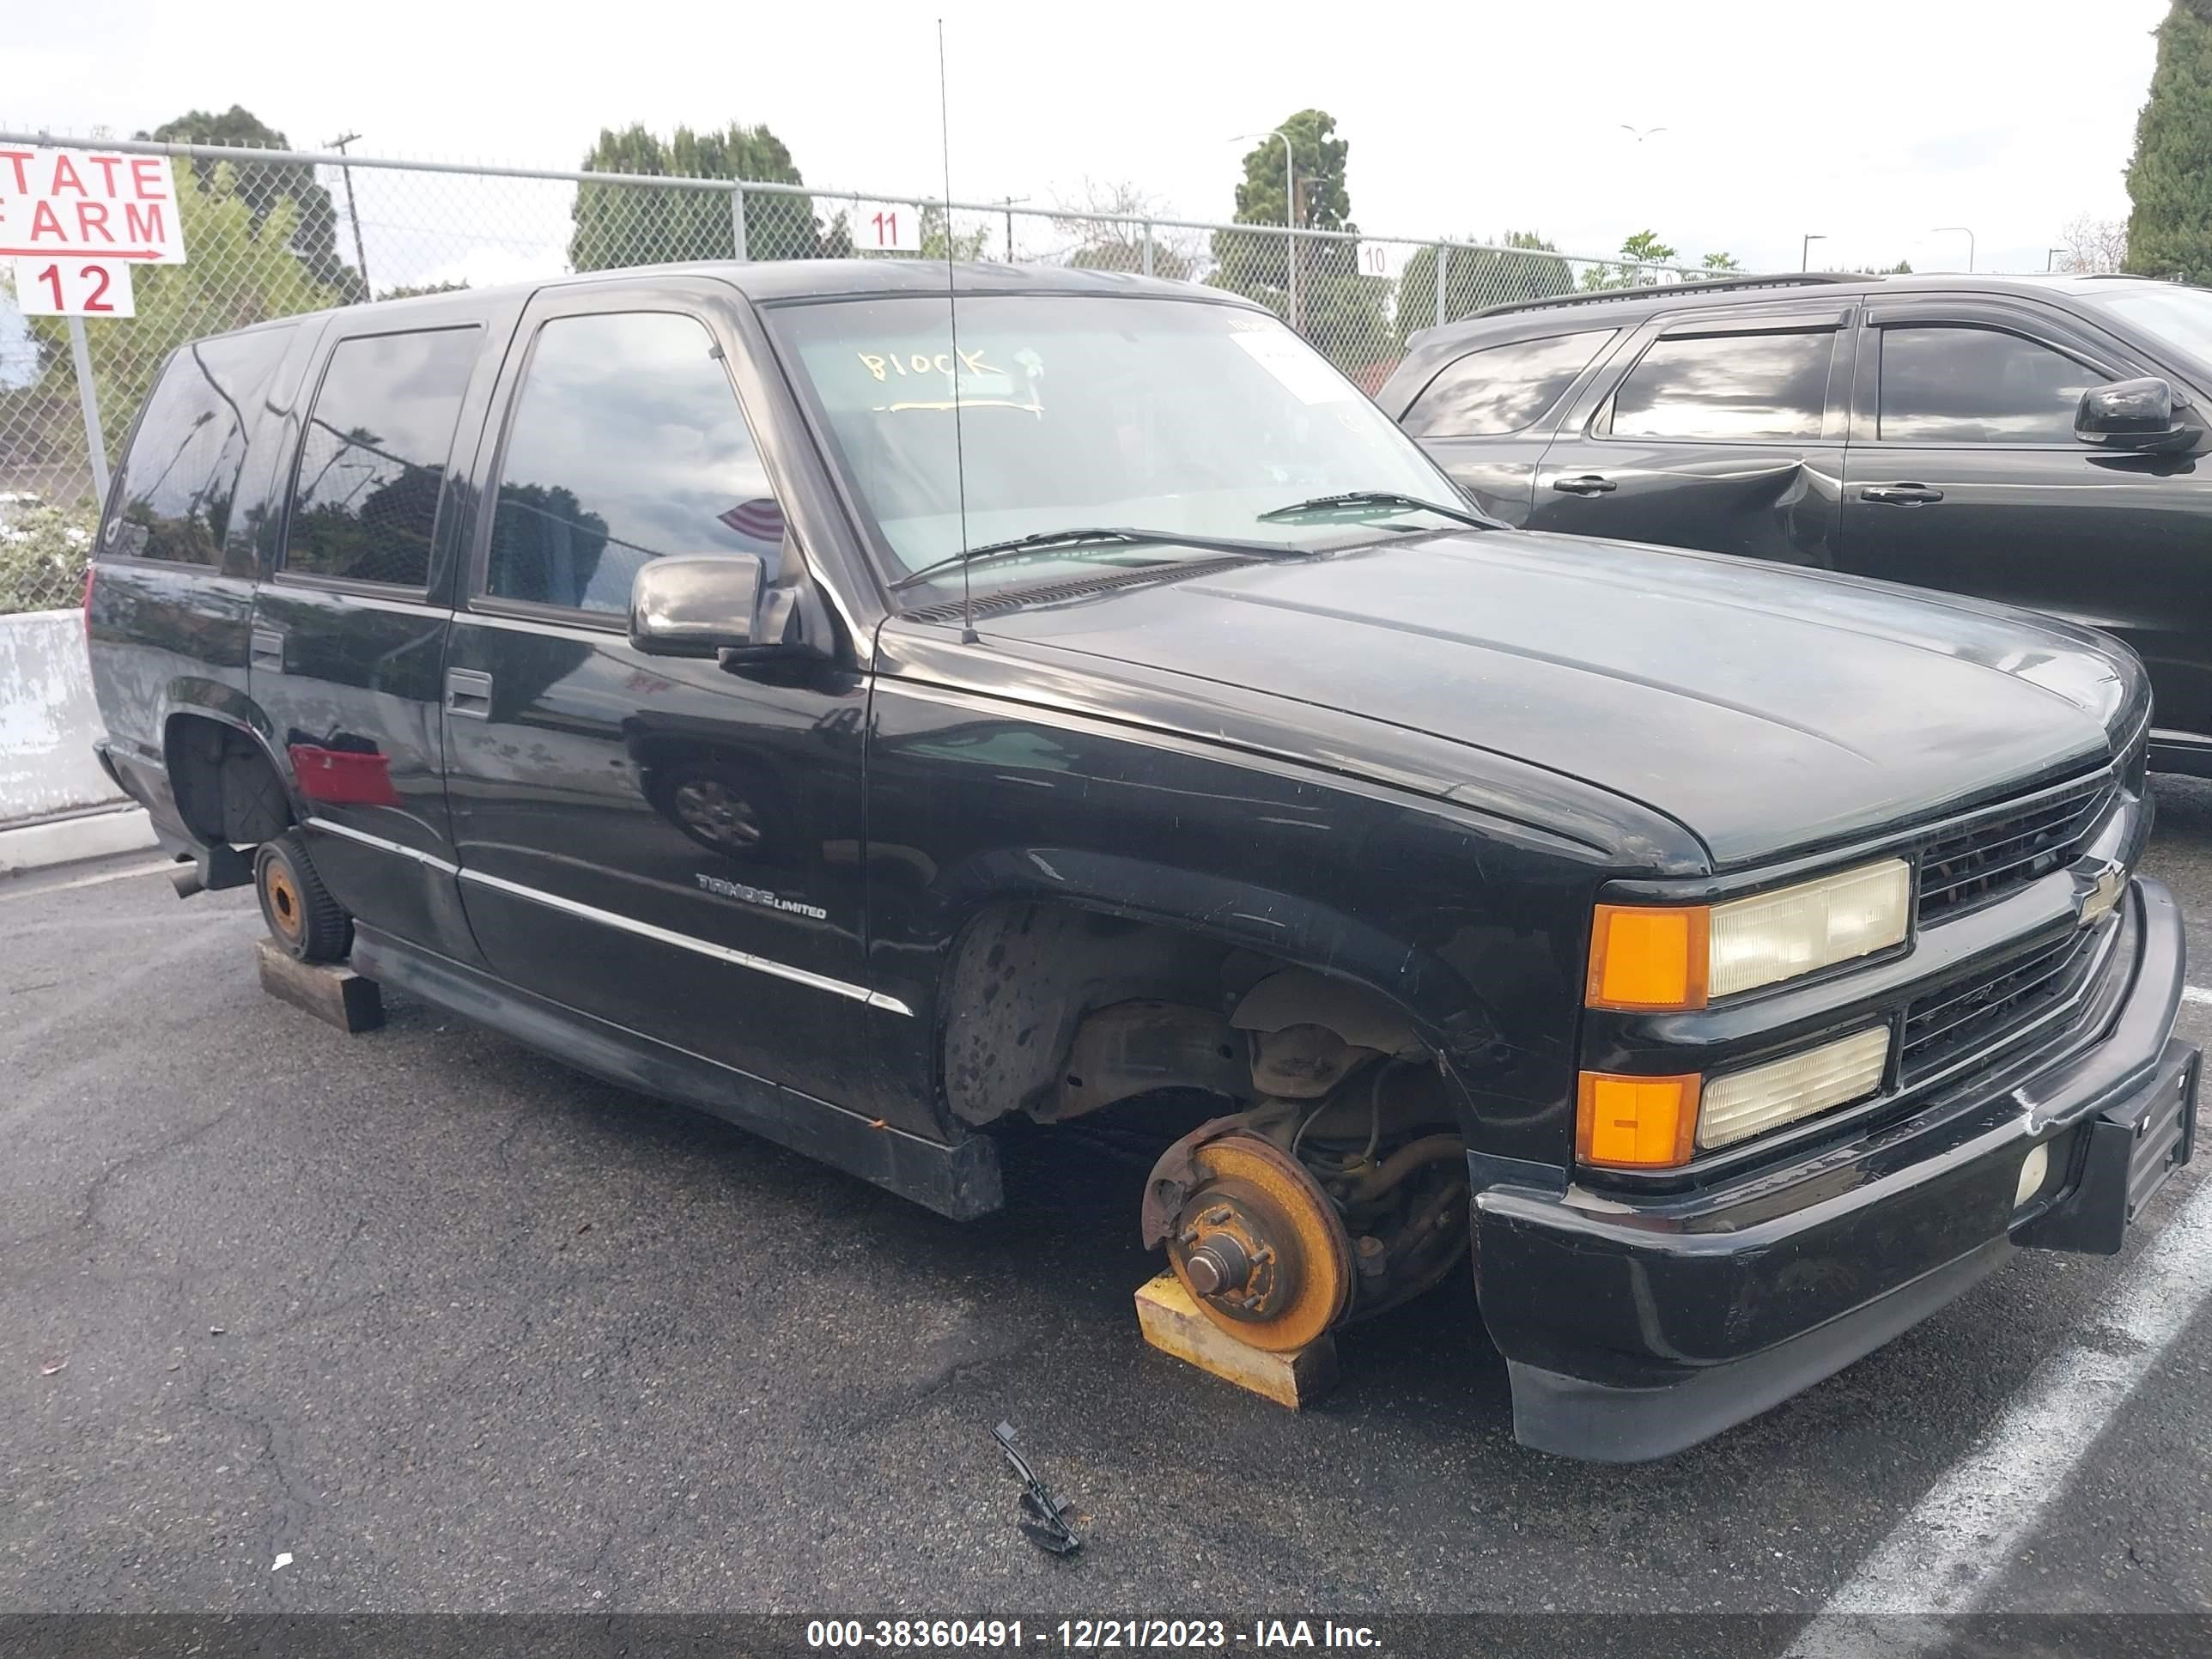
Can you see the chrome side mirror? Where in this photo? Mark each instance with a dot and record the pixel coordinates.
(696, 606)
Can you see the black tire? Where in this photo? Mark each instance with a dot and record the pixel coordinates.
(307, 924)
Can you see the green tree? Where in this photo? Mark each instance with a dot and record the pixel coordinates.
(2170, 180)
(1475, 278)
(242, 268)
(1644, 248)
(614, 224)
(1346, 315)
(1259, 265)
(1721, 262)
(265, 186)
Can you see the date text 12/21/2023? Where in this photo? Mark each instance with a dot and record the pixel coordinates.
(1086, 1635)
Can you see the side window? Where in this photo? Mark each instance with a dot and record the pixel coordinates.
(1727, 386)
(1977, 386)
(182, 475)
(1502, 388)
(373, 464)
(626, 444)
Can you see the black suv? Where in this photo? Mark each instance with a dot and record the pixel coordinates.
(736, 683)
(2039, 440)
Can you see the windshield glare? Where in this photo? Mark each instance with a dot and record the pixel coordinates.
(1077, 410)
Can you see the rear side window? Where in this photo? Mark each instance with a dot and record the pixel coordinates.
(1977, 386)
(627, 444)
(179, 480)
(373, 464)
(1727, 387)
(1503, 388)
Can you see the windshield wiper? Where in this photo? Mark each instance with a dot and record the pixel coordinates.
(1127, 536)
(1378, 498)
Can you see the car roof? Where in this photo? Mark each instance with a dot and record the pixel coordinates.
(1613, 307)
(780, 280)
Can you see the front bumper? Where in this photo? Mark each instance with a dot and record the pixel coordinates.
(1631, 1332)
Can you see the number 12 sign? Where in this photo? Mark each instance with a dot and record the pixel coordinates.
(66, 286)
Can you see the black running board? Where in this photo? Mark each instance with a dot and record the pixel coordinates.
(960, 1180)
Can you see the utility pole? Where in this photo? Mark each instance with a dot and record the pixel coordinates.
(360, 257)
(1009, 202)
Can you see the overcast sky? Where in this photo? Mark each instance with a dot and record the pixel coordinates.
(1871, 122)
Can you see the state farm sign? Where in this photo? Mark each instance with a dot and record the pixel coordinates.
(88, 204)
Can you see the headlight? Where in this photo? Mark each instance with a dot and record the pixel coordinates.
(1746, 1103)
(1627, 1123)
(1649, 956)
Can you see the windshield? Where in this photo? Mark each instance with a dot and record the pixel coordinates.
(1082, 411)
(2179, 317)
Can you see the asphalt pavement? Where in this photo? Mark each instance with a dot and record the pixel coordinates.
(453, 1329)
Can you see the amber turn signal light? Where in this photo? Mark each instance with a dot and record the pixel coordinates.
(1636, 1122)
(1649, 956)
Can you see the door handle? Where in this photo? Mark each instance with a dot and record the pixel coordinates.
(1587, 484)
(265, 648)
(1902, 494)
(468, 692)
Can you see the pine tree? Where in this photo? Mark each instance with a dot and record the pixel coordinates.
(2170, 181)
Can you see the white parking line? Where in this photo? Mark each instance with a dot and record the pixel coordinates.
(33, 889)
(1964, 1533)
(2195, 994)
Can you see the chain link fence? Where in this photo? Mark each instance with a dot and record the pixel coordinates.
(271, 234)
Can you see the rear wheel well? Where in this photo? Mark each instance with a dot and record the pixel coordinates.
(228, 792)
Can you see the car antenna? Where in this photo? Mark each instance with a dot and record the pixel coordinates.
(967, 634)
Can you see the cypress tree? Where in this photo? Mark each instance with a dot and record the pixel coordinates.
(2170, 180)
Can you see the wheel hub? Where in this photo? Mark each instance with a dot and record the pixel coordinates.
(284, 908)
(1259, 1245)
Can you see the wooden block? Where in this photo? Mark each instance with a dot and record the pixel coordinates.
(1173, 1323)
(330, 991)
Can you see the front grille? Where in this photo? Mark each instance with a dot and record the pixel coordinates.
(1992, 857)
(1980, 1014)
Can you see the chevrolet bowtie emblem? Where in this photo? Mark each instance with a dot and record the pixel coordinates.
(2106, 884)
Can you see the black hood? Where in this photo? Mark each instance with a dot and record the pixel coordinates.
(1766, 708)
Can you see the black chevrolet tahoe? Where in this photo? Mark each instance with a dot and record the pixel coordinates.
(2043, 441)
(876, 705)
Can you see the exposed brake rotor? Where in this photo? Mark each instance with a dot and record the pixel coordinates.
(1259, 1245)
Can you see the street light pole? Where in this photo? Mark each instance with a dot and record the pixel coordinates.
(2049, 255)
(360, 258)
(1969, 235)
(1805, 249)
